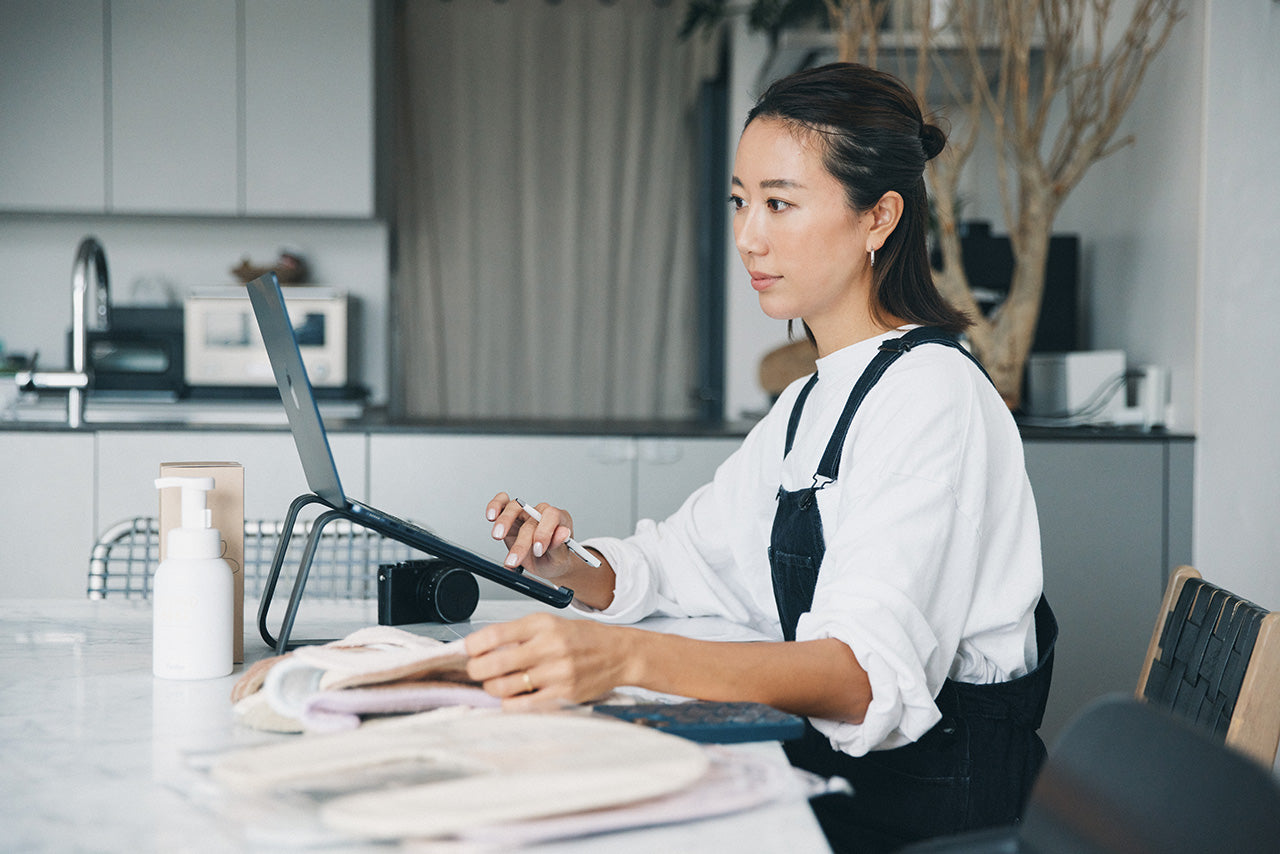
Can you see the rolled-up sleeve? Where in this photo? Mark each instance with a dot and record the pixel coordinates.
(883, 593)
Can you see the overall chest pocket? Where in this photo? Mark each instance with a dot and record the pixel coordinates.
(794, 579)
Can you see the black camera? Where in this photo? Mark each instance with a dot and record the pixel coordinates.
(425, 591)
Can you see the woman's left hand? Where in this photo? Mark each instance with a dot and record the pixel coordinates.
(543, 661)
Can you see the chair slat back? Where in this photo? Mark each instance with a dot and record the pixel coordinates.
(345, 565)
(1212, 662)
(1205, 648)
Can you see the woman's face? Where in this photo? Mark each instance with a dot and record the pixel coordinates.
(805, 249)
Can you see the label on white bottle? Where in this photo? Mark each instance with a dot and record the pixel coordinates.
(192, 619)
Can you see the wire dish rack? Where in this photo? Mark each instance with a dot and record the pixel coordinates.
(345, 566)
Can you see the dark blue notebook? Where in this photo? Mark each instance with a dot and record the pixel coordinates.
(712, 722)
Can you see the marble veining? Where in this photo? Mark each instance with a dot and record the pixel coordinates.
(97, 755)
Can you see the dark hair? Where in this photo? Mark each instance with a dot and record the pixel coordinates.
(873, 139)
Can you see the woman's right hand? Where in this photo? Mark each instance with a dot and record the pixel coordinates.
(536, 546)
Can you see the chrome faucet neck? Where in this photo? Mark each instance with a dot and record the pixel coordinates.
(90, 311)
(90, 307)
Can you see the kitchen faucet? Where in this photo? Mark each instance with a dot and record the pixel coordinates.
(90, 312)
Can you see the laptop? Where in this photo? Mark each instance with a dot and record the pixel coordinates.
(312, 442)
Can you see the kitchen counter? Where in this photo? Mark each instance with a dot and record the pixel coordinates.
(96, 754)
(119, 410)
(115, 413)
(257, 416)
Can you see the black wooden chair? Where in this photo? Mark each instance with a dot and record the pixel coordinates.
(1214, 661)
(125, 557)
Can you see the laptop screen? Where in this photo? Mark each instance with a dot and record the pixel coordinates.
(295, 389)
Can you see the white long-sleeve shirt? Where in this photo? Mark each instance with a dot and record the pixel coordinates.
(932, 566)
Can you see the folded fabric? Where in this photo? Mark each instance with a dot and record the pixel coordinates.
(332, 711)
(385, 654)
(457, 769)
(736, 781)
(250, 682)
(376, 670)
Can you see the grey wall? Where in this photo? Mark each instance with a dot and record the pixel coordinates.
(1238, 350)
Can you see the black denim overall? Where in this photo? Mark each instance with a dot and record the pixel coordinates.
(975, 767)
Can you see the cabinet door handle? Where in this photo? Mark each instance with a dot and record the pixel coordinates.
(612, 451)
(661, 452)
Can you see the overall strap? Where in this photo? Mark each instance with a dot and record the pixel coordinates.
(795, 412)
(889, 353)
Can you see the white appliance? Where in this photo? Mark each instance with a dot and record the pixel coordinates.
(1095, 387)
(223, 346)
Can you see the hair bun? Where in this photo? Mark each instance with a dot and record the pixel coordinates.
(932, 139)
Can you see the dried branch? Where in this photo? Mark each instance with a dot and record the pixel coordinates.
(944, 171)
(857, 25)
(1058, 86)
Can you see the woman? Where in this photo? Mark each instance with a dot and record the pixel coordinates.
(878, 521)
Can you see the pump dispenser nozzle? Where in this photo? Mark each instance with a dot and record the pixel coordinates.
(196, 538)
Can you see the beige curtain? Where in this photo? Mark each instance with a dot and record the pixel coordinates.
(545, 198)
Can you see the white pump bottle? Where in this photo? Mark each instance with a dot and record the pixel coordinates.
(192, 593)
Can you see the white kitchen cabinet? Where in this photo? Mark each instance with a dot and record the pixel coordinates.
(52, 97)
(174, 107)
(309, 113)
(205, 107)
(1115, 518)
(46, 513)
(669, 470)
(444, 481)
(129, 463)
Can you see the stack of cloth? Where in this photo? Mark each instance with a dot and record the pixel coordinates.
(377, 670)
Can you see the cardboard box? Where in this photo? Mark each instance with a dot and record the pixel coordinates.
(226, 502)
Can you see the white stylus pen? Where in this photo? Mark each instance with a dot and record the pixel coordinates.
(574, 545)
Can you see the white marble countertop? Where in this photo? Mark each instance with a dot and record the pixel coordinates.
(94, 751)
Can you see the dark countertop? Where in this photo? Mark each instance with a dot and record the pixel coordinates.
(264, 414)
(380, 423)
(1091, 433)
(691, 429)
(256, 416)
(644, 427)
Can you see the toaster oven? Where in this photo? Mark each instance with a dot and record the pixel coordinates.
(141, 351)
(223, 346)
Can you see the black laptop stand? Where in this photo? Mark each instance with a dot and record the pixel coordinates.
(423, 541)
(281, 645)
